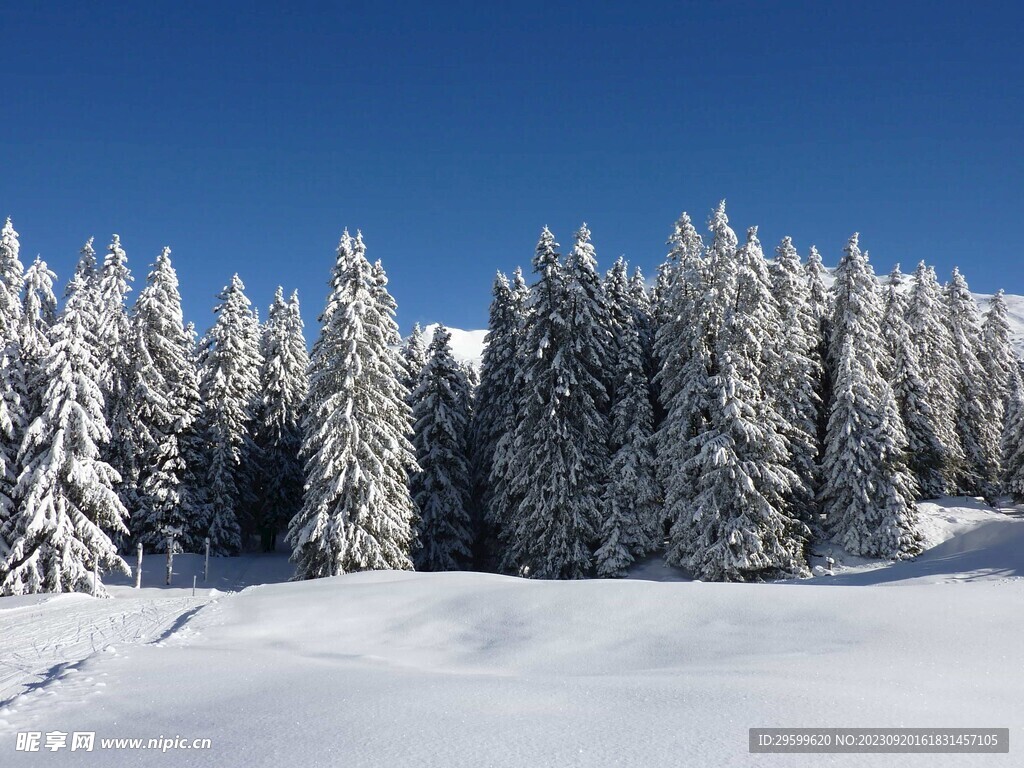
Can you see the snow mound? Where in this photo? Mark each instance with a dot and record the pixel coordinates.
(457, 669)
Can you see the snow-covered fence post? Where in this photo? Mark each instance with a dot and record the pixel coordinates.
(138, 566)
(193, 585)
(206, 563)
(170, 557)
(95, 570)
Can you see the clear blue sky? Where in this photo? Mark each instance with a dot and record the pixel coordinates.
(247, 135)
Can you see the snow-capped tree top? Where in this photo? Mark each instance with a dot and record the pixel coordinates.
(685, 240)
(40, 308)
(546, 257)
(116, 276)
(84, 269)
(11, 269)
(582, 255)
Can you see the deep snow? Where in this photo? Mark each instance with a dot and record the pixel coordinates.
(472, 669)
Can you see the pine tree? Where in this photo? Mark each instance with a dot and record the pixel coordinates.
(867, 491)
(114, 337)
(441, 487)
(494, 411)
(818, 305)
(414, 357)
(795, 393)
(931, 335)
(69, 509)
(1013, 439)
(12, 375)
(195, 493)
(682, 347)
(357, 513)
(643, 315)
(742, 526)
(164, 396)
(554, 479)
(924, 450)
(997, 357)
(632, 521)
(284, 382)
(976, 418)
(894, 310)
(229, 386)
(37, 318)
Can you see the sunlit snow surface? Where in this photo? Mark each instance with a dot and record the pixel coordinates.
(466, 669)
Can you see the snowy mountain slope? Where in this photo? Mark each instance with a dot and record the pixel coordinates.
(458, 669)
(469, 345)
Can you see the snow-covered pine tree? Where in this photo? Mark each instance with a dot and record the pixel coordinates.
(976, 416)
(794, 393)
(997, 357)
(683, 349)
(357, 513)
(37, 318)
(1013, 439)
(632, 519)
(618, 301)
(414, 357)
(12, 380)
(284, 381)
(818, 303)
(554, 480)
(867, 491)
(925, 311)
(493, 415)
(818, 297)
(195, 493)
(229, 386)
(115, 344)
(742, 525)
(165, 396)
(69, 509)
(924, 450)
(642, 311)
(441, 487)
(894, 309)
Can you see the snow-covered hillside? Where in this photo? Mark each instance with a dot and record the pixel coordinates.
(463, 669)
(469, 345)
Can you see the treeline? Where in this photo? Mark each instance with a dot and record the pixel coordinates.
(740, 412)
(117, 427)
(730, 417)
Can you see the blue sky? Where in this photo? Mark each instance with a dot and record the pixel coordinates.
(246, 136)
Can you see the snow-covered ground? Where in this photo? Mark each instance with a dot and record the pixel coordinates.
(463, 669)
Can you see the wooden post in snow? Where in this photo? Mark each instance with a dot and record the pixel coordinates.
(95, 571)
(206, 563)
(170, 557)
(138, 566)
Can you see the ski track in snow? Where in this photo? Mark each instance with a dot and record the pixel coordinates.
(44, 643)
